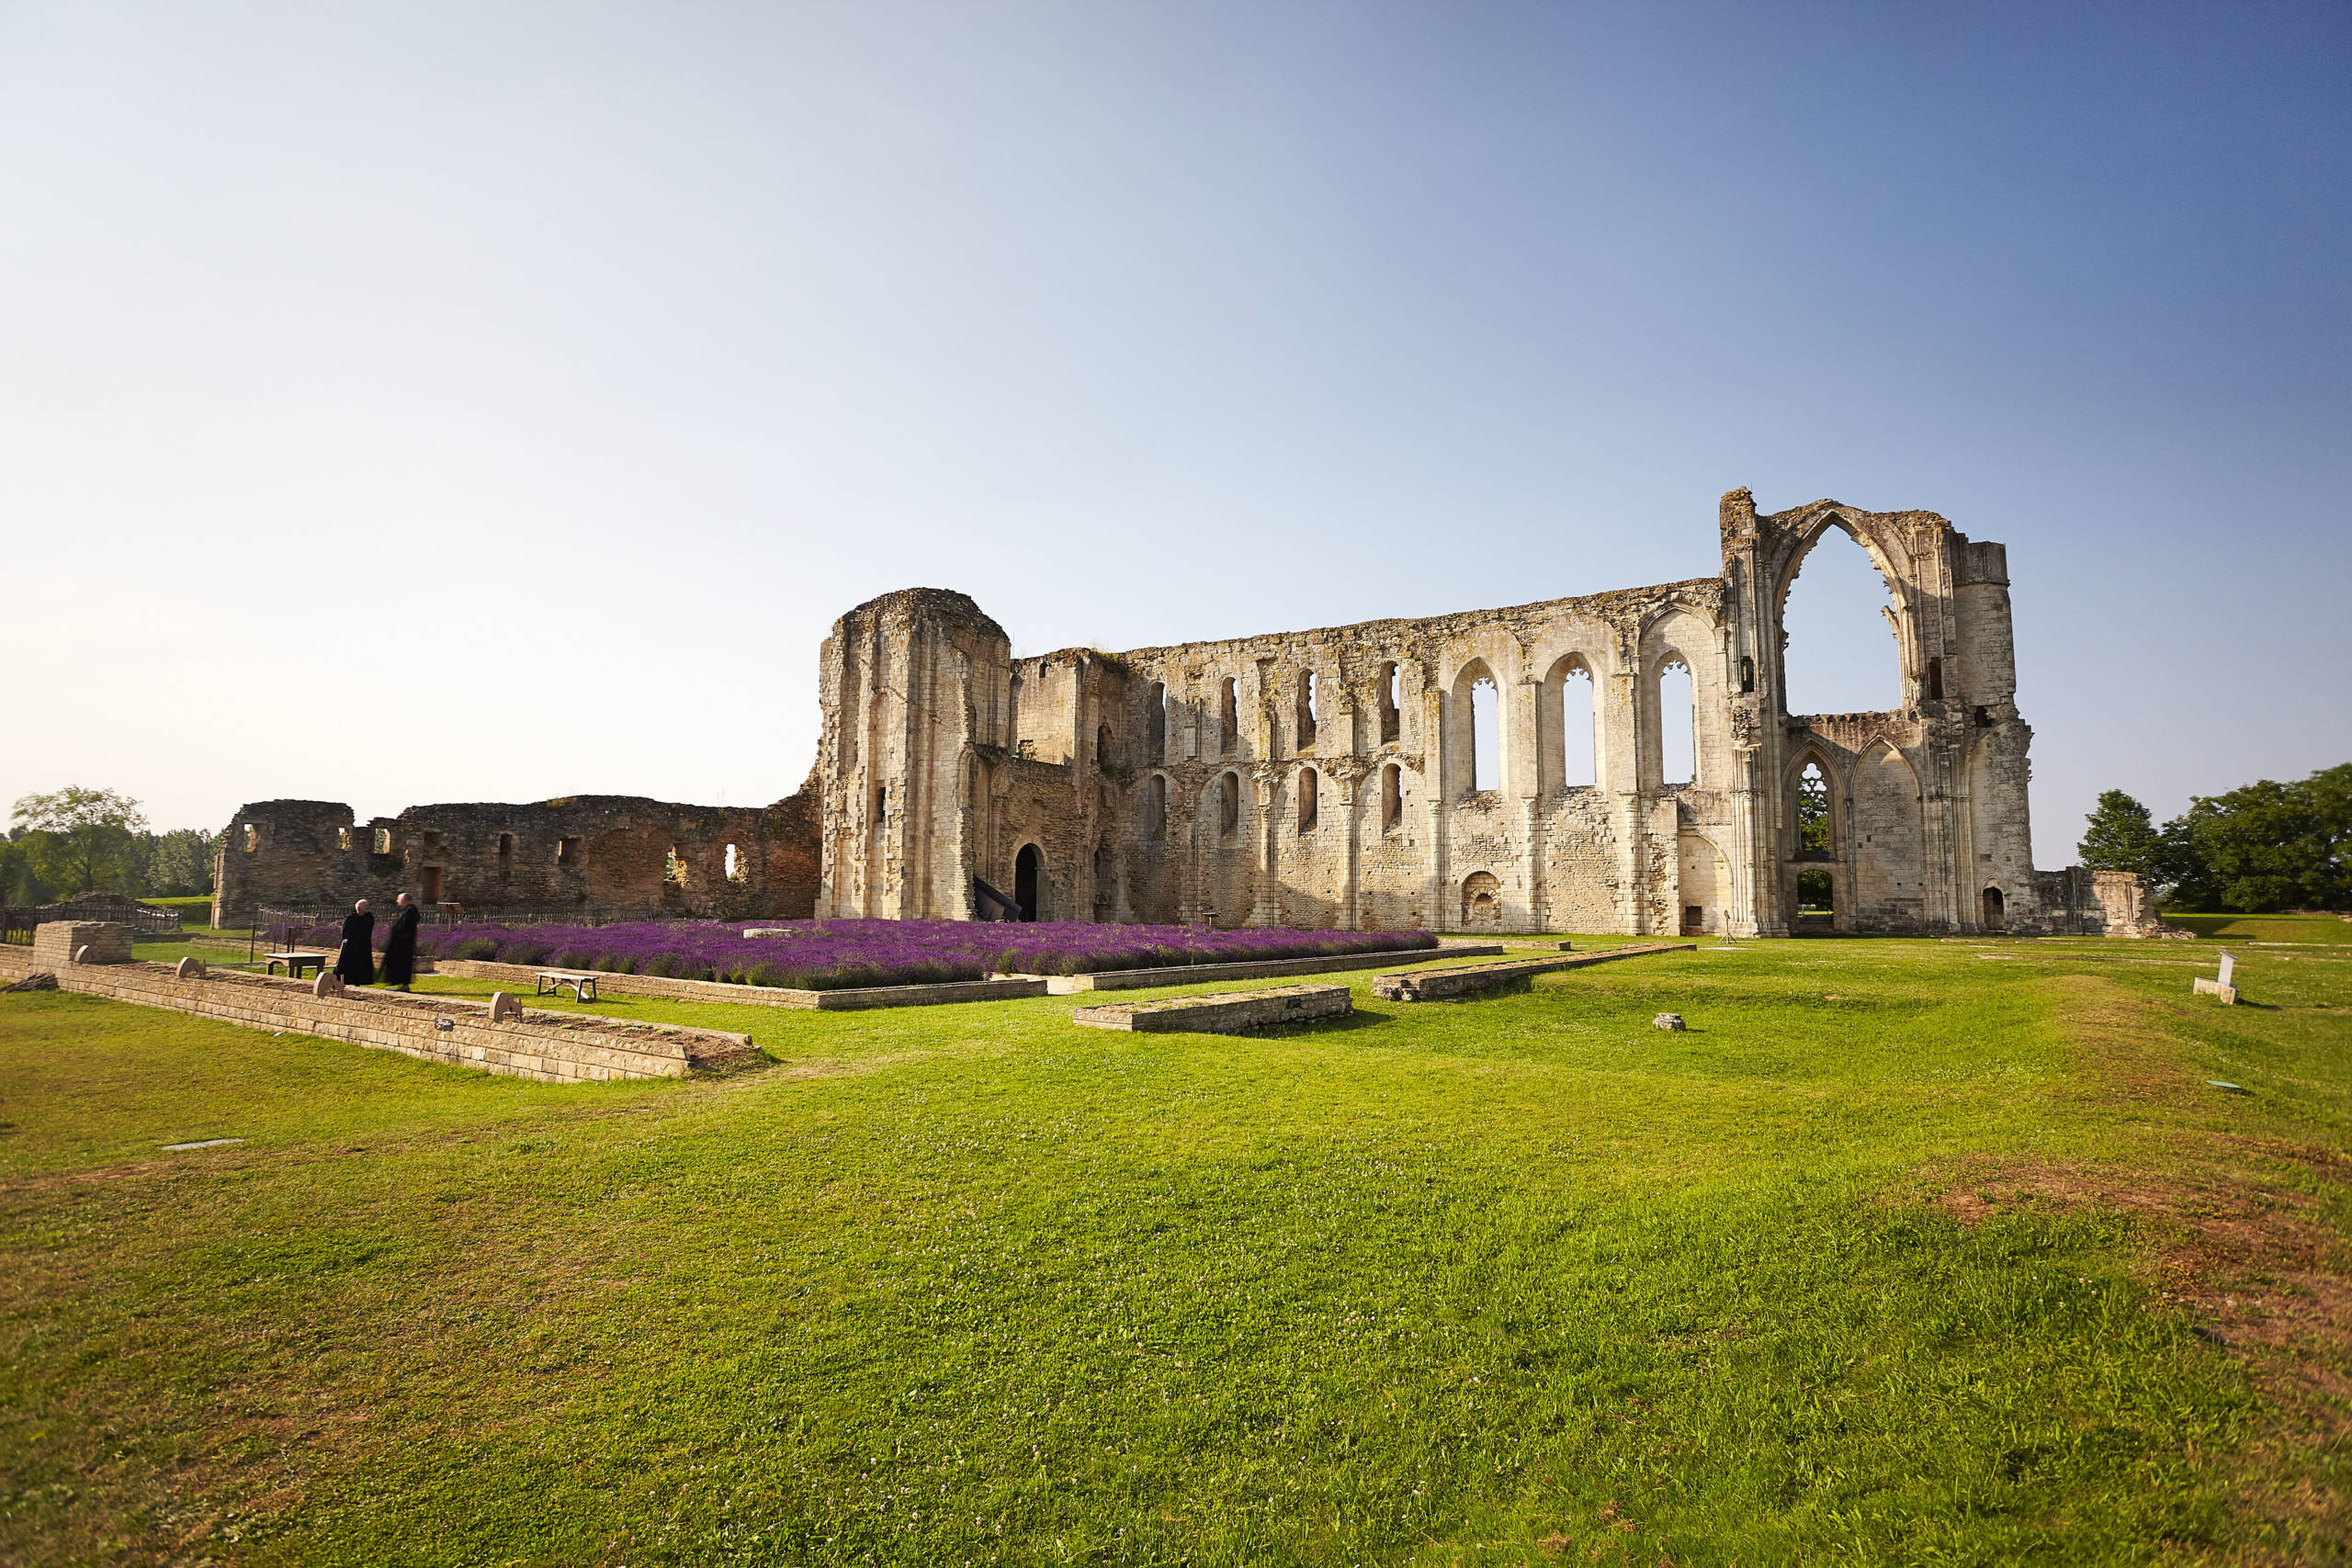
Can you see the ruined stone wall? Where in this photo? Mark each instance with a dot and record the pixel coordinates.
(1332, 777)
(583, 851)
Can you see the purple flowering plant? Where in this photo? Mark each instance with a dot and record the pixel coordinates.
(839, 954)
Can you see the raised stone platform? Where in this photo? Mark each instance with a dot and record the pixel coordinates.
(1472, 979)
(553, 1047)
(1223, 1012)
(851, 1001)
(1257, 969)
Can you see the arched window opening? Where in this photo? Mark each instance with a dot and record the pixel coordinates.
(252, 838)
(1307, 800)
(1571, 747)
(1155, 808)
(567, 851)
(1103, 746)
(1392, 798)
(1013, 716)
(1486, 742)
(735, 865)
(1306, 710)
(1746, 674)
(1835, 621)
(1155, 719)
(673, 869)
(1678, 734)
(1813, 819)
(383, 841)
(1028, 871)
(1229, 716)
(1228, 804)
(1391, 704)
(1936, 678)
(1482, 904)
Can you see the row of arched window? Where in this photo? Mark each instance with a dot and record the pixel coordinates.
(1159, 711)
(1307, 796)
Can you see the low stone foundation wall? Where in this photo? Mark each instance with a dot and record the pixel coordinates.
(526, 976)
(1188, 973)
(552, 1047)
(1229, 1012)
(1469, 979)
(56, 942)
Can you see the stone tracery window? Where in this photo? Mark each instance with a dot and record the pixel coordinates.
(1813, 819)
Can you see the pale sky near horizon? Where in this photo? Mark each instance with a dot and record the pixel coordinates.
(416, 403)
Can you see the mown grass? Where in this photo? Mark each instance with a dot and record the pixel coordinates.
(2329, 929)
(1506, 1280)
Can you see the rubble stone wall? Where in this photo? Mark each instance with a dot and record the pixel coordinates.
(1332, 777)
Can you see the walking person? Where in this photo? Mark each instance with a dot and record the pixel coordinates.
(355, 959)
(400, 945)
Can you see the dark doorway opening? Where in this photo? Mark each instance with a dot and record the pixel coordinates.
(1026, 867)
(1107, 873)
(1996, 918)
(433, 884)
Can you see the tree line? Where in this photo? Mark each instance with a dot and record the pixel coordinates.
(96, 841)
(2259, 848)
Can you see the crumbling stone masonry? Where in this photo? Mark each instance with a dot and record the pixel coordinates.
(1330, 777)
(585, 851)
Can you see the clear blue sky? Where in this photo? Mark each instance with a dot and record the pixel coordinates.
(535, 384)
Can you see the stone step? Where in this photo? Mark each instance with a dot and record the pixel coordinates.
(1221, 1012)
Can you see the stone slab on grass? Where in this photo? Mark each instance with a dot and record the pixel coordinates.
(1223, 1012)
(612, 983)
(1256, 969)
(1472, 979)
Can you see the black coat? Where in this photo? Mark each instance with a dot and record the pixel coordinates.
(353, 961)
(399, 947)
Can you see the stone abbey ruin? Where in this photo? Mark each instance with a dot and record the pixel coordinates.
(1329, 778)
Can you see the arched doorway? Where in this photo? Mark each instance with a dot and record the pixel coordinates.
(1482, 908)
(1996, 918)
(1027, 868)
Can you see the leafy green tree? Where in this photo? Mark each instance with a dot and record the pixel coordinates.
(2266, 846)
(177, 863)
(2122, 837)
(20, 885)
(80, 839)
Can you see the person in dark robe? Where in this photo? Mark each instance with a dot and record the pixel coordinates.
(400, 945)
(354, 960)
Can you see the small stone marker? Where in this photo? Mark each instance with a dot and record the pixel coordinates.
(326, 983)
(504, 1006)
(190, 968)
(1669, 1021)
(202, 1143)
(2201, 987)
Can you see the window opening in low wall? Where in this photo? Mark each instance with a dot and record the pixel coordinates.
(734, 864)
(1812, 814)
(252, 838)
(673, 869)
(383, 840)
(1307, 800)
(1392, 798)
(343, 839)
(567, 851)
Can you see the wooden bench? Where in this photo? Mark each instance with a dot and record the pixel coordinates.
(297, 962)
(583, 985)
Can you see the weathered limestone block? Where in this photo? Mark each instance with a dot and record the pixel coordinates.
(1472, 979)
(1224, 1013)
(59, 942)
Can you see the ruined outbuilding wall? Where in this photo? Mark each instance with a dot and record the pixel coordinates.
(1331, 778)
(583, 851)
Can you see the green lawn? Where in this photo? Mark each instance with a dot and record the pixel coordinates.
(2328, 929)
(1894, 1257)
